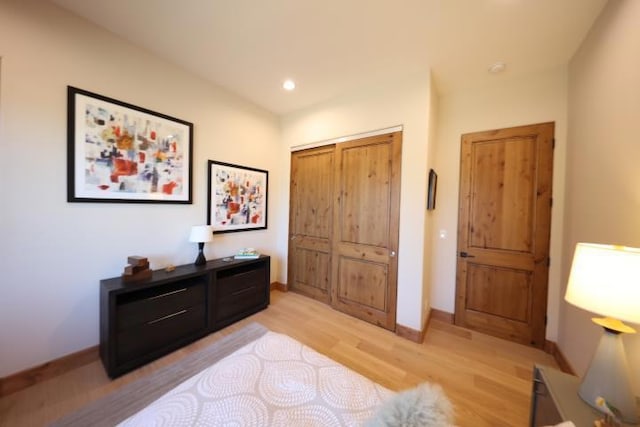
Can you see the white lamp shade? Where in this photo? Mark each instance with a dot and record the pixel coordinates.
(605, 279)
(201, 233)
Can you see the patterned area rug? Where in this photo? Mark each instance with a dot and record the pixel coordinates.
(253, 377)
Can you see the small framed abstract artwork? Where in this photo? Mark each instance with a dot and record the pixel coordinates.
(237, 197)
(117, 152)
(433, 186)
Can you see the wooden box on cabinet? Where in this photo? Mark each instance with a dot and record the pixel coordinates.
(142, 321)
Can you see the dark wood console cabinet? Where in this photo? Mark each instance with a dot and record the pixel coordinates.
(142, 321)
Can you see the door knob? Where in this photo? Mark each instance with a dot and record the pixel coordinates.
(392, 254)
(466, 255)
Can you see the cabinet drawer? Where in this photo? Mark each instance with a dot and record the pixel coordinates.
(145, 306)
(242, 300)
(155, 334)
(236, 281)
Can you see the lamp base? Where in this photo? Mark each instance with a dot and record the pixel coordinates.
(201, 260)
(608, 377)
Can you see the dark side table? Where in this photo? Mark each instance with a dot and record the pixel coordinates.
(555, 399)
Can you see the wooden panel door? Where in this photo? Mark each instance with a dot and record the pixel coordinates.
(366, 222)
(503, 232)
(310, 222)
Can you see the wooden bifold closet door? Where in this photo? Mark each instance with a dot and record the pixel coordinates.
(343, 226)
(310, 222)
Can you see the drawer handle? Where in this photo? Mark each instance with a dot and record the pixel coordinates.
(169, 316)
(166, 294)
(242, 291)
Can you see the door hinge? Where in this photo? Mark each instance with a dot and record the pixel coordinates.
(545, 320)
(549, 262)
(551, 201)
(553, 143)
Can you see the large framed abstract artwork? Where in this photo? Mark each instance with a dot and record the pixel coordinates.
(237, 197)
(118, 152)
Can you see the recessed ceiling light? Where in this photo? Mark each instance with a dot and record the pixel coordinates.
(289, 85)
(498, 67)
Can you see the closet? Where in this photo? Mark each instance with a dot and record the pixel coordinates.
(343, 226)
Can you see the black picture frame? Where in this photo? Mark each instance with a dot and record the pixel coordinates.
(433, 186)
(237, 197)
(121, 153)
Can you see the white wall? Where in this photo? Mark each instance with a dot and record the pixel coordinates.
(603, 204)
(509, 102)
(428, 260)
(54, 253)
(405, 103)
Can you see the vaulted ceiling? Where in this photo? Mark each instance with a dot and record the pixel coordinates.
(330, 47)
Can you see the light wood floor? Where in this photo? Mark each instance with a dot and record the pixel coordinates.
(487, 379)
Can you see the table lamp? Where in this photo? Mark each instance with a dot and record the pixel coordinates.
(201, 234)
(605, 279)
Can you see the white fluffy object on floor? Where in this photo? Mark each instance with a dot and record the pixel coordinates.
(423, 406)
